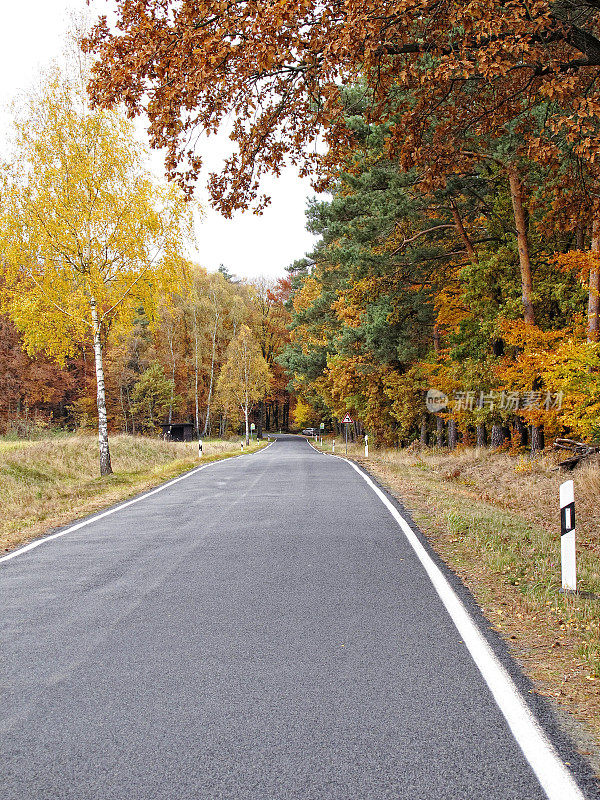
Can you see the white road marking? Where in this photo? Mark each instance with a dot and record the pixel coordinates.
(32, 545)
(554, 777)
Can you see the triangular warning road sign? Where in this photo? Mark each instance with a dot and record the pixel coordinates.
(347, 418)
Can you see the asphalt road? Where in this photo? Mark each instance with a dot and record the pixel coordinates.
(260, 630)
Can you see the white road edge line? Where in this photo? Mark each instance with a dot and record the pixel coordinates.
(554, 777)
(43, 540)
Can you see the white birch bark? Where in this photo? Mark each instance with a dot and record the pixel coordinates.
(212, 368)
(105, 465)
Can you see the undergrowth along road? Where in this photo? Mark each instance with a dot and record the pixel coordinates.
(48, 483)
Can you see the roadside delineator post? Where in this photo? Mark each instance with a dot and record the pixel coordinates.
(199, 448)
(333, 446)
(242, 445)
(567, 537)
(366, 445)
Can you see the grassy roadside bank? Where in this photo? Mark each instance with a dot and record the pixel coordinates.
(46, 484)
(494, 519)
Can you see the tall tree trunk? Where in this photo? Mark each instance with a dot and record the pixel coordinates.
(436, 339)
(452, 434)
(497, 436)
(481, 435)
(130, 412)
(516, 194)
(439, 431)
(261, 418)
(462, 232)
(105, 465)
(171, 335)
(537, 439)
(196, 352)
(123, 408)
(212, 374)
(423, 434)
(594, 288)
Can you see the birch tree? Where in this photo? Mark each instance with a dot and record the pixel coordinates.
(85, 232)
(245, 376)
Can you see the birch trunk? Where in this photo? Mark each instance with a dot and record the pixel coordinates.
(246, 382)
(212, 375)
(105, 465)
(172, 377)
(196, 349)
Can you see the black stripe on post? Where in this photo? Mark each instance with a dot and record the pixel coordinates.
(567, 519)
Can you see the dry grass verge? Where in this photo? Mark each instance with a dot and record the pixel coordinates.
(494, 519)
(45, 484)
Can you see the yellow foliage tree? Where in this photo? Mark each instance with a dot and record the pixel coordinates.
(304, 414)
(85, 234)
(245, 376)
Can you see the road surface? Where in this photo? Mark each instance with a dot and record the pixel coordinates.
(260, 630)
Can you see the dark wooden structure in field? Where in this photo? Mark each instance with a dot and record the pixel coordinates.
(178, 431)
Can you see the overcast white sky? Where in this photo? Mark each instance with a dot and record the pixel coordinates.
(32, 34)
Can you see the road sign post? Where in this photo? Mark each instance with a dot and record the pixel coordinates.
(567, 537)
(345, 422)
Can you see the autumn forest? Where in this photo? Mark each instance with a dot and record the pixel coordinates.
(454, 149)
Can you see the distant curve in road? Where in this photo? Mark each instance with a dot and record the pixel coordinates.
(261, 630)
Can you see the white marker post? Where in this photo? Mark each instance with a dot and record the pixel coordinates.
(333, 446)
(366, 445)
(199, 448)
(567, 536)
